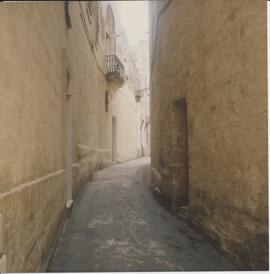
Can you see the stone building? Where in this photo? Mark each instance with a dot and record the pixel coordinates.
(209, 120)
(68, 108)
(141, 56)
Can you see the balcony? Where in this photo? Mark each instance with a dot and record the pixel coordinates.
(115, 71)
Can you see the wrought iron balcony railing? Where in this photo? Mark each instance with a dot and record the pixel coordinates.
(115, 70)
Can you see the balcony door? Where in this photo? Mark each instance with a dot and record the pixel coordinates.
(110, 31)
(110, 44)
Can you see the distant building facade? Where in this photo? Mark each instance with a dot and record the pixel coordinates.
(209, 120)
(141, 56)
(68, 108)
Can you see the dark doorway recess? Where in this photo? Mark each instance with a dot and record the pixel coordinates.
(179, 160)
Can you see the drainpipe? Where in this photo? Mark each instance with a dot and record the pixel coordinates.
(67, 15)
(141, 136)
(68, 175)
(3, 257)
(69, 199)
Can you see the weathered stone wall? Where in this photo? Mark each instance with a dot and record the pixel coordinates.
(91, 124)
(125, 135)
(214, 54)
(38, 54)
(32, 39)
(141, 54)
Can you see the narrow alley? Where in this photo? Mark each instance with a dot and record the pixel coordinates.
(117, 225)
(134, 135)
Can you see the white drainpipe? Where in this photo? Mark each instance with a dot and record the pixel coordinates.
(3, 257)
(69, 199)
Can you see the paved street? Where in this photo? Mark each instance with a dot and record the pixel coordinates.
(117, 225)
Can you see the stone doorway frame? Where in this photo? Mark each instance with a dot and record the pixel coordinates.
(179, 160)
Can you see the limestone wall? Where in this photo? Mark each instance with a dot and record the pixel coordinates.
(91, 124)
(213, 54)
(125, 108)
(89, 85)
(141, 53)
(44, 65)
(32, 39)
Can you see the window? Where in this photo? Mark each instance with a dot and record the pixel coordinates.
(67, 15)
(110, 31)
(96, 20)
(90, 7)
(92, 11)
(89, 11)
(107, 101)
